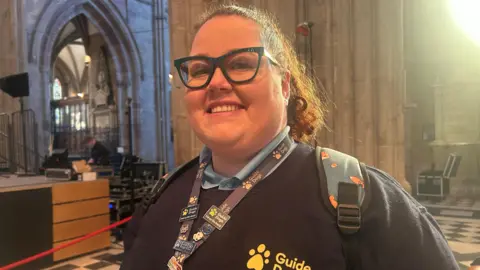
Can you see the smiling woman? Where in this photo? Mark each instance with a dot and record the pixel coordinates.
(258, 184)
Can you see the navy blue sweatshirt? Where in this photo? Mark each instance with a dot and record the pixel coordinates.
(283, 223)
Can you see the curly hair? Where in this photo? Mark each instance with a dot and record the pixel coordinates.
(305, 111)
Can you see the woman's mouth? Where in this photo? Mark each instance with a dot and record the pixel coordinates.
(224, 108)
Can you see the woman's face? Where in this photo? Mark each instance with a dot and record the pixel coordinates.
(259, 107)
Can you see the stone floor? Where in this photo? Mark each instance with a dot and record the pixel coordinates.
(463, 236)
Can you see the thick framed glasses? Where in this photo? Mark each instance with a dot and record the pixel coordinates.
(238, 66)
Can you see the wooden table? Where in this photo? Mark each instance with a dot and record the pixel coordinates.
(37, 214)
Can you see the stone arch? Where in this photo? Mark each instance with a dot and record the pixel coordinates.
(123, 48)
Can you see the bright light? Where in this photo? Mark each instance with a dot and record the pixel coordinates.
(80, 95)
(466, 14)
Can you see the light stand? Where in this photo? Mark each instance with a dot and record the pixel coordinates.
(24, 134)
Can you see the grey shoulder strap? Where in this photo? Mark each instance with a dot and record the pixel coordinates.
(345, 187)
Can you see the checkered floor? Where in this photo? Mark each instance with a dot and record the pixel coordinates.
(463, 236)
(105, 260)
(468, 203)
(461, 230)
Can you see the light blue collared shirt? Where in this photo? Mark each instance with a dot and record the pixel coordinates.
(212, 179)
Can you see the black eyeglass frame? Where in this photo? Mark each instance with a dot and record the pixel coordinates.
(217, 62)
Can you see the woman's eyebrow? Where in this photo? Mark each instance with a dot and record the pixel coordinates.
(208, 55)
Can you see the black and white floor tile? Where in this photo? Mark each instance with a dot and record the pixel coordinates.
(465, 231)
(463, 236)
(104, 260)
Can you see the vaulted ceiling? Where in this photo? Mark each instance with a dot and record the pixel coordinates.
(72, 45)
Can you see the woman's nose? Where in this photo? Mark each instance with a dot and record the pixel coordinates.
(219, 81)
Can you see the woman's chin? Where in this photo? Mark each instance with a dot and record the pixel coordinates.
(216, 138)
(224, 141)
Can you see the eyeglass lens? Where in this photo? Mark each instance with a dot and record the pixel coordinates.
(239, 67)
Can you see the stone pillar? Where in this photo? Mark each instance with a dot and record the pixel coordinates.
(161, 42)
(12, 39)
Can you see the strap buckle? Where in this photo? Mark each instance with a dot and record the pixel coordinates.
(348, 218)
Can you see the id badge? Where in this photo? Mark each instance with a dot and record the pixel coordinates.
(173, 264)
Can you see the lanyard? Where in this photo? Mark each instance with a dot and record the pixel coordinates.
(217, 217)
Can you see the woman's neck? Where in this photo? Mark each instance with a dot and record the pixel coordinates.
(228, 167)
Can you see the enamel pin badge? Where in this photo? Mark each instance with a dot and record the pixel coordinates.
(173, 264)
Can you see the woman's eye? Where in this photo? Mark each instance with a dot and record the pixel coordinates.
(199, 71)
(241, 65)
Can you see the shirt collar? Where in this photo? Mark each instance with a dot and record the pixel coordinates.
(212, 179)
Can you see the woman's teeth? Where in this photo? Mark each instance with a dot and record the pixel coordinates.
(225, 108)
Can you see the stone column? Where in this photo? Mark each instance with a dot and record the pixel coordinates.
(12, 59)
(161, 42)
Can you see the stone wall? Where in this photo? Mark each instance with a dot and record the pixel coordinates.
(133, 31)
(443, 86)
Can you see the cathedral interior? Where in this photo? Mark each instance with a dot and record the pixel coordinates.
(402, 80)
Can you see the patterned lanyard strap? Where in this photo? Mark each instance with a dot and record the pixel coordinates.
(217, 217)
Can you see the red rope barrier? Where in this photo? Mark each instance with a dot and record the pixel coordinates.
(73, 242)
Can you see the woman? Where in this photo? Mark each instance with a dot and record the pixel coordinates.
(248, 99)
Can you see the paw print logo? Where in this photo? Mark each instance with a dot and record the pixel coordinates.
(180, 258)
(193, 200)
(185, 212)
(247, 185)
(277, 154)
(198, 236)
(213, 212)
(258, 258)
(325, 155)
(184, 228)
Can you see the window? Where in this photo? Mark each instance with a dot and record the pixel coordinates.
(57, 90)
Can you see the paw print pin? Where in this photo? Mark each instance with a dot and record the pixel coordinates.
(193, 200)
(277, 154)
(180, 258)
(198, 236)
(258, 258)
(184, 228)
(247, 185)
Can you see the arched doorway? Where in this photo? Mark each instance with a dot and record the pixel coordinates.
(120, 46)
(83, 95)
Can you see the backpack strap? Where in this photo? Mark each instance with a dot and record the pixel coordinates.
(163, 183)
(345, 186)
(344, 183)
